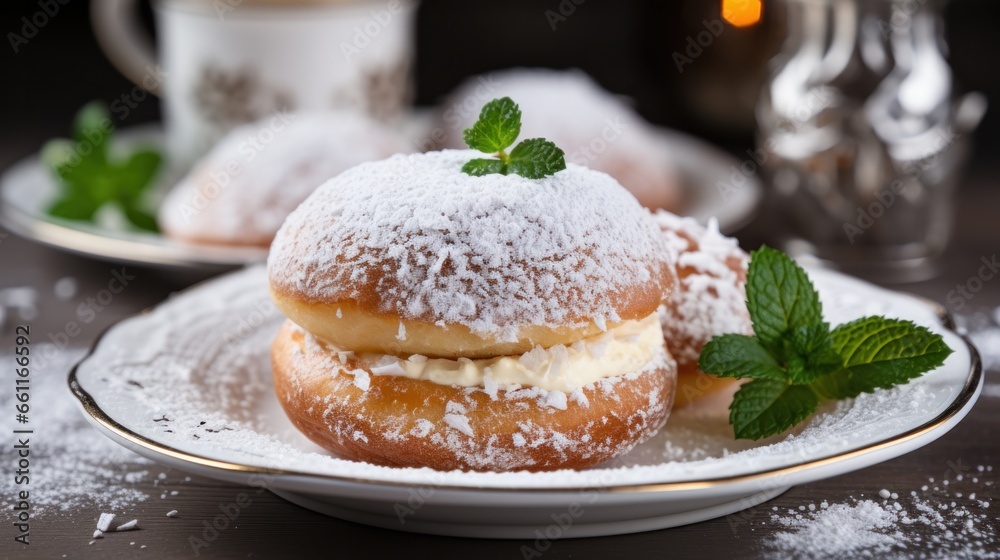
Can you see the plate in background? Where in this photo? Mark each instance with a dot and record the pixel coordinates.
(27, 187)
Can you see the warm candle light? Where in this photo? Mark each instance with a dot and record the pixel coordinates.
(741, 13)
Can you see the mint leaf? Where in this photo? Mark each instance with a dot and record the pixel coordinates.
(74, 208)
(480, 167)
(536, 158)
(498, 126)
(780, 298)
(879, 353)
(89, 177)
(764, 407)
(737, 355)
(141, 219)
(138, 171)
(92, 127)
(795, 361)
(813, 354)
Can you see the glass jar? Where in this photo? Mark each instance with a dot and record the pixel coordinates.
(863, 136)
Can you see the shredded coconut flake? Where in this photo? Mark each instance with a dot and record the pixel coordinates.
(460, 423)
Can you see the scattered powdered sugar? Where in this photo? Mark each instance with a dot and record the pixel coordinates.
(417, 237)
(710, 298)
(937, 523)
(216, 395)
(73, 466)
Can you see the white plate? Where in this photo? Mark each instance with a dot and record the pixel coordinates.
(27, 188)
(189, 385)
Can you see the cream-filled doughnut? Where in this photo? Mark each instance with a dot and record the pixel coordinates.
(242, 191)
(411, 256)
(388, 418)
(594, 127)
(710, 299)
(489, 323)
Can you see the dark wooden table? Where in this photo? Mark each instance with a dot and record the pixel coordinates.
(273, 528)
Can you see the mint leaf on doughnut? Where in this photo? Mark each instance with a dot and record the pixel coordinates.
(480, 167)
(536, 158)
(498, 127)
(795, 362)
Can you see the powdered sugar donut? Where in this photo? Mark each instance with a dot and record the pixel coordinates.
(491, 323)
(710, 298)
(396, 420)
(594, 127)
(242, 191)
(411, 256)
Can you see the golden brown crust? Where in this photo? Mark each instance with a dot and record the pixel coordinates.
(398, 421)
(348, 326)
(694, 384)
(364, 325)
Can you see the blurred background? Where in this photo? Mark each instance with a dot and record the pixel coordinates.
(626, 45)
(640, 49)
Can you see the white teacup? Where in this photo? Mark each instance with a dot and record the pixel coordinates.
(227, 62)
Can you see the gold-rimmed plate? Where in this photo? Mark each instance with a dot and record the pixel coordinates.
(188, 385)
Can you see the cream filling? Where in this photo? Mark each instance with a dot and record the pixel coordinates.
(627, 348)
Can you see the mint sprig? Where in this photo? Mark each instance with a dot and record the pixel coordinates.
(795, 362)
(497, 129)
(90, 176)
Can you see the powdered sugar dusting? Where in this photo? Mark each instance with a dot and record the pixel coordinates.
(253, 178)
(191, 372)
(593, 126)
(72, 465)
(710, 298)
(890, 525)
(493, 253)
